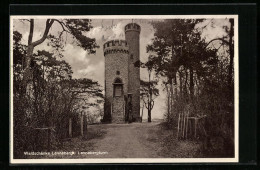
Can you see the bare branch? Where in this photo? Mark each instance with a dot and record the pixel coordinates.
(49, 23)
(217, 39)
(63, 27)
(145, 103)
(22, 20)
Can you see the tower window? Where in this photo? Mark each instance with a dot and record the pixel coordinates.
(117, 72)
(132, 56)
(118, 90)
(118, 87)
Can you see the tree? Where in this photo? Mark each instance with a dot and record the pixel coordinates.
(148, 88)
(37, 109)
(43, 84)
(53, 97)
(148, 94)
(74, 27)
(227, 40)
(198, 77)
(177, 45)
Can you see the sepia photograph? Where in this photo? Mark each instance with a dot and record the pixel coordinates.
(124, 89)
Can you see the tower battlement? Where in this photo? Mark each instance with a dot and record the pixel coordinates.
(132, 27)
(115, 46)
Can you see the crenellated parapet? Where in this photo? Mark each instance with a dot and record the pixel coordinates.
(132, 27)
(115, 46)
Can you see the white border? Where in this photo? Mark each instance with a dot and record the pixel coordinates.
(132, 160)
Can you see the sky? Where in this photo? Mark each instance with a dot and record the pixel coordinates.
(92, 66)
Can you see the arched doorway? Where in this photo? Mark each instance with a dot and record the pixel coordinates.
(118, 105)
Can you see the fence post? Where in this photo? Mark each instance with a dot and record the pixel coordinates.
(196, 121)
(81, 125)
(48, 131)
(70, 128)
(178, 126)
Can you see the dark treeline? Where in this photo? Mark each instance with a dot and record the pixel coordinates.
(199, 82)
(48, 104)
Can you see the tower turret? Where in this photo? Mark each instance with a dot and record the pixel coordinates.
(132, 36)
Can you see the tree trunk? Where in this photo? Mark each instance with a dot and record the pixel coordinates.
(171, 96)
(142, 113)
(30, 48)
(150, 99)
(191, 84)
(70, 128)
(168, 104)
(180, 77)
(27, 71)
(175, 88)
(29, 55)
(149, 114)
(185, 85)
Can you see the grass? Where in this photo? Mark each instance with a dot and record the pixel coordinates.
(173, 148)
(74, 145)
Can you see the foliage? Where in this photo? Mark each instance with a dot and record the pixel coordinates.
(53, 97)
(148, 90)
(77, 28)
(19, 50)
(198, 76)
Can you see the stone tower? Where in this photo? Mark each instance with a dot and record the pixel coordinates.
(132, 36)
(116, 80)
(122, 78)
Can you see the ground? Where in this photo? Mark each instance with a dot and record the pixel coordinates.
(135, 140)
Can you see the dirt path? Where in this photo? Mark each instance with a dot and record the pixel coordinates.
(135, 140)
